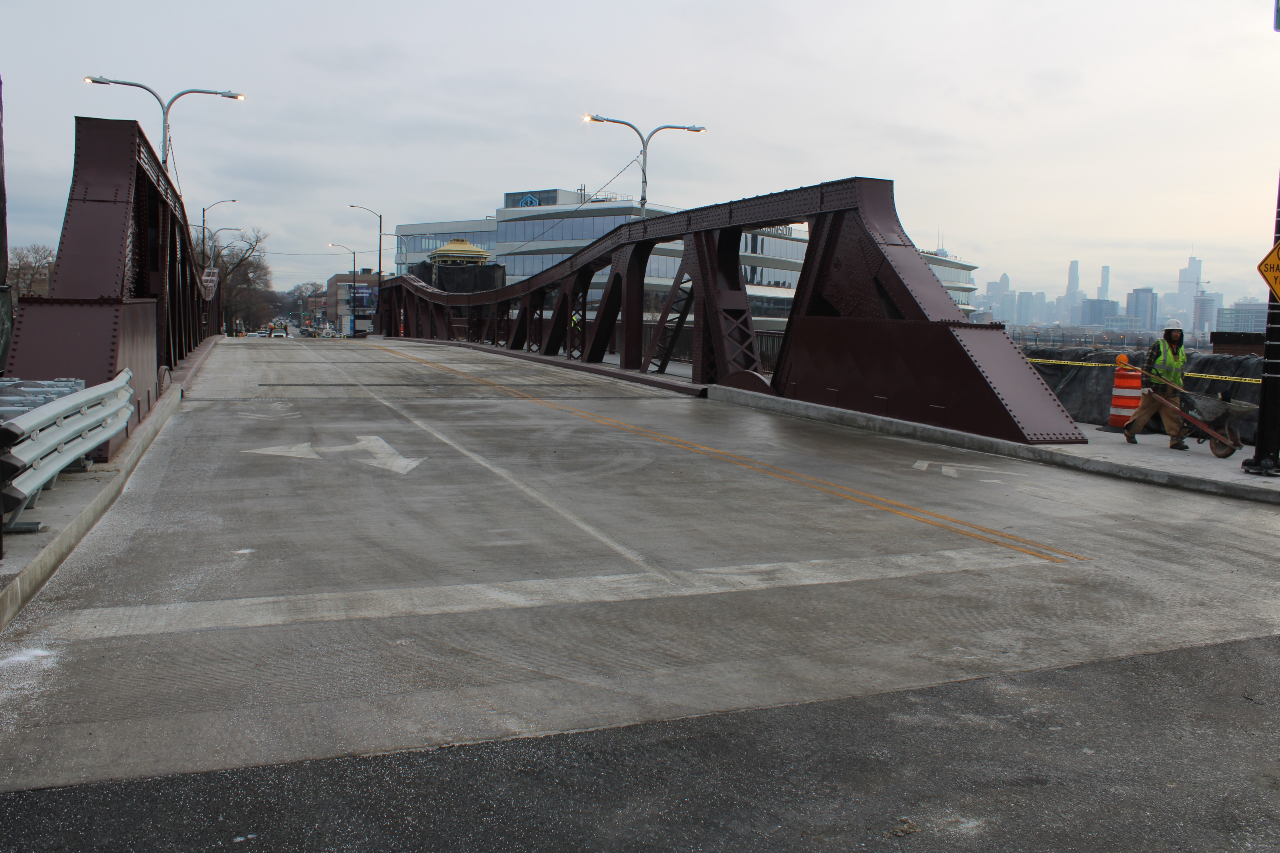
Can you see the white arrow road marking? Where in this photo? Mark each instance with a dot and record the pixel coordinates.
(300, 451)
(384, 455)
(954, 470)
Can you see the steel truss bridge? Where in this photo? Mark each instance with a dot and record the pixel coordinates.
(125, 291)
(871, 327)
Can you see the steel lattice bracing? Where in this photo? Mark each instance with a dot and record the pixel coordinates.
(871, 327)
(125, 290)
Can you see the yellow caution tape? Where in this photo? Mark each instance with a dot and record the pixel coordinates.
(1112, 364)
(1224, 378)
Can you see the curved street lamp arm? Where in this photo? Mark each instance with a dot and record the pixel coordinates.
(226, 93)
(669, 127)
(159, 100)
(643, 141)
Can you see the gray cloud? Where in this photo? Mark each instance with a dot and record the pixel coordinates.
(1031, 134)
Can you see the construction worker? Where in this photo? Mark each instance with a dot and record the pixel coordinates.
(1165, 360)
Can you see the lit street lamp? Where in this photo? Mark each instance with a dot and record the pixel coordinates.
(644, 149)
(164, 107)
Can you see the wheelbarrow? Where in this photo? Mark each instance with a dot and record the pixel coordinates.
(1203, 412)
(1210, 419)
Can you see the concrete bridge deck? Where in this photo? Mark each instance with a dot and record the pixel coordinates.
(354, 548)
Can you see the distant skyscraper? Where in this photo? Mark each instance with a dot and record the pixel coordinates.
(1205, 313)
(1094, 312)
(1073, 277)
(1245, 316)
(1189, 284)
(1008, 308)
(1142, 304)
(1038, 313)
(1025, 308)
(1004, 282)
(1105, 287)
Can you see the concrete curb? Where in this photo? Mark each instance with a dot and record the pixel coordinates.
(19, 591)
(982, 444)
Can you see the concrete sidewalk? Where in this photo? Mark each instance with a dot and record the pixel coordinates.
(72, 506)
(1152, 452)
(1151, 462)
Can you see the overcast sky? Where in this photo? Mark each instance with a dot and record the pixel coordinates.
(1123, 132)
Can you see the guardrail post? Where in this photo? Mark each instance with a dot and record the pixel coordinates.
(41, 443)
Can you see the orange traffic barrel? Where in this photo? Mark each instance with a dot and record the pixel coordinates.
(1126, 395)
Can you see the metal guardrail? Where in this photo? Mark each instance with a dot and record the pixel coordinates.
(19, 396)
(38, 445)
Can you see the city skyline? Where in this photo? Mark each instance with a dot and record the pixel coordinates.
(1023, 169)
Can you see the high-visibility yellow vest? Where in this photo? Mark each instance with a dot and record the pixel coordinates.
(1169, 366)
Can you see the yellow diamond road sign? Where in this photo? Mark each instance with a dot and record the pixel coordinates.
(1270, 269)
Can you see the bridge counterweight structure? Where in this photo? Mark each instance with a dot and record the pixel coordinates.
(125, 291)
(871, 328)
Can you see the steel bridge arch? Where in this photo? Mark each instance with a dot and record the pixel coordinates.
(871, 328)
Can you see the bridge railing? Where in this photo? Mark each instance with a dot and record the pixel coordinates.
(38, 445)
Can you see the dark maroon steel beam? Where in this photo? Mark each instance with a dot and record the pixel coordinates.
(871, 327)
(124, 291)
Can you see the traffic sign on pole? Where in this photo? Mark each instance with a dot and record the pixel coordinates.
(1270, 269)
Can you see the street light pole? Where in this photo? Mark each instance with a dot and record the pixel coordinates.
(644, 149)
(203, 229)
(379, 215)
(350, 295)
(164, 107)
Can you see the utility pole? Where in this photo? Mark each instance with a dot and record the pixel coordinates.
(1267, 441)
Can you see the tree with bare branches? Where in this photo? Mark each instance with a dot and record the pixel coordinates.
(247, 299)
(29, 270)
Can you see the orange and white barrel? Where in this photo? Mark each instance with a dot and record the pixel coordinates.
(1126, 395)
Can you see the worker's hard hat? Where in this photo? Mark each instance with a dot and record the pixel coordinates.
(1173, 324)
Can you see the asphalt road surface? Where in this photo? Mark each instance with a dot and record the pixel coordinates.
(729, 630)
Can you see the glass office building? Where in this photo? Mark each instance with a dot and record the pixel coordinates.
(536, 229)
(957, 279)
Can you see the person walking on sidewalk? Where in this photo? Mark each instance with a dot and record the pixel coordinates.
(1165, 360)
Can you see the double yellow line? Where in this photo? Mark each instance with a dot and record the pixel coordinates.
(924, 516)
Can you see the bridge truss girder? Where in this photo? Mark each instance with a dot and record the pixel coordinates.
(871, 328)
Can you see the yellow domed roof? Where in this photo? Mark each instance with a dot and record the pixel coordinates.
(459, 251)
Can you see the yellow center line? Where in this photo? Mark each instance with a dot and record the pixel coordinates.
(875, 501)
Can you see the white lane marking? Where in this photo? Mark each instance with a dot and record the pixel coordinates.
(466, 598)
(952, 469)
(270, 417)
(299, 451)
(25, 657)
(384, 455)
(629, 553)
(243, 551)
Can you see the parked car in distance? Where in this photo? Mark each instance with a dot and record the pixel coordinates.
(279, 333)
